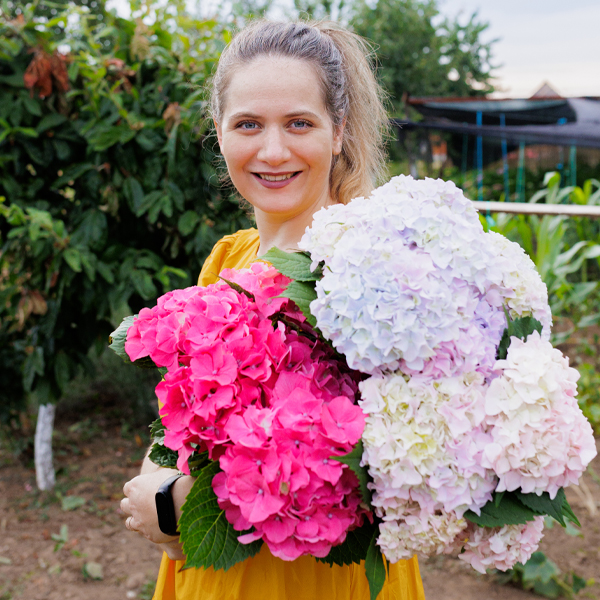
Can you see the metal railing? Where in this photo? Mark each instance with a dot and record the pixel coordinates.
(525, 208)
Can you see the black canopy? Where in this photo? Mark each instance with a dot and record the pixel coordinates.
(561, 121)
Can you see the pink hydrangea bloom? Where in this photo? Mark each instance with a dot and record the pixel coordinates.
(272, 405)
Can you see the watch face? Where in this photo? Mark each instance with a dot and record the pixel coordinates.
(165, 509)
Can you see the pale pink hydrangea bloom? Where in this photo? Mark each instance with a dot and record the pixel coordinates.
(540, 439)
(500, 547)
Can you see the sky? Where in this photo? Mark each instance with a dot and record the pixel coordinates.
(553, 41)
(556, 41)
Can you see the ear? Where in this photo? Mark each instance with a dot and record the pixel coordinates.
(219, 134)
(338, 137)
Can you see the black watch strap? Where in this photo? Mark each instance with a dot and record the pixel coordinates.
(165, 508)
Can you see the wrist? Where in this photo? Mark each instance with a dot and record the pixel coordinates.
(165, 509)
(179, 491)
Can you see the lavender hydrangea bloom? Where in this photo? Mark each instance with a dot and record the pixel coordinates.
(411, 282)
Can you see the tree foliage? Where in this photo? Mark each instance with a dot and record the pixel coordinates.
(422, 54)
(109, 193)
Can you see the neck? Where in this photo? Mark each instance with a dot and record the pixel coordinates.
(282, 231)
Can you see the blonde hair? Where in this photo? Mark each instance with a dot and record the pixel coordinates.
(352, 95)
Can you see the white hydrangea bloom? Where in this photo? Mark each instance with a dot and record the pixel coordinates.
(423, 442)
(520, 285)
(420, 532)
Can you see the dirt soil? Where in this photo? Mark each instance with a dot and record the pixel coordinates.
(97, 558)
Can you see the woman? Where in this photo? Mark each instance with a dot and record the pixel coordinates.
(299, 122)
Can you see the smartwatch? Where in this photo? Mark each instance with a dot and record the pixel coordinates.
(165, 508)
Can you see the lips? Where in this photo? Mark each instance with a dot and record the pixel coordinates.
(276, 180)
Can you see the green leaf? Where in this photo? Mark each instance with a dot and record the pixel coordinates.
(143, 284)
(105, 138)
(353, 459)
(520, 328)
(567, 511)
(116, 340)
(72, 173)
(134, 193)
(302, 293)
(237, 287)
(208, 538)
(72, 502)
(72, 257)
(354, 548)
(375, 567)
(34, 365)
(62, 371)
(539, 568)
(50, 121)
(32, 106)
(295, 265)
(105, 271)
(578, 584)
(543, 505)
(162, 456)
(157, 429)
(509, 511)
(187, 222)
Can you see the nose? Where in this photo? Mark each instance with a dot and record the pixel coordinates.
(274, 150)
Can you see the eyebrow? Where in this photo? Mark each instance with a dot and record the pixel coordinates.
(297, 113)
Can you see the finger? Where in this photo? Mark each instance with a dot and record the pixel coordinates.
(125, 506)
(126, 488)
(132, 524)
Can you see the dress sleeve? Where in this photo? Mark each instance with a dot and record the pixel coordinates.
(212, 265)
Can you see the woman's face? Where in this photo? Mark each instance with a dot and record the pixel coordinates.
(277, 137)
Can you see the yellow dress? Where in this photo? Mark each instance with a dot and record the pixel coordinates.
(265, 577)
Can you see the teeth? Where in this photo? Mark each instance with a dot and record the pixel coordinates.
(276, 177)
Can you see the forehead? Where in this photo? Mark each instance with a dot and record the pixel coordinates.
(274, 84)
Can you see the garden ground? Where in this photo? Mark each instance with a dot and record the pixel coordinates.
(73, 544)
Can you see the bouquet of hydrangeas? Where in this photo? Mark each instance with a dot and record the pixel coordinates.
(390, 390)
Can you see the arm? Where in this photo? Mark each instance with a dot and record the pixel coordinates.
(140, 506)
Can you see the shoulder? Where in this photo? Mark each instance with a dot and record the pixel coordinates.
(229, 252)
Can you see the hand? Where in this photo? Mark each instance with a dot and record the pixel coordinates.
(173, 550)
(140, 506)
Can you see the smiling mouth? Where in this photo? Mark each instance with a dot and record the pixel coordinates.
(282, 177)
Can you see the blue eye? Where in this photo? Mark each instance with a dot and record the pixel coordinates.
(300, 124)
(247, 125)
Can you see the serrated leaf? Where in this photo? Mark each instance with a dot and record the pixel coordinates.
(163, 457)
(544, 505)
(157, 429)
(354, 548)
(302, 293)
(295, 265)
(352, 459)
(567, 511)
(510, 511)
(520, 328)
(498, 498)
(117, 339)
(375, 567)
(208, 539)
(116, 342)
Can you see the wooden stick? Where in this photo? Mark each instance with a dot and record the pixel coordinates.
(526, 208)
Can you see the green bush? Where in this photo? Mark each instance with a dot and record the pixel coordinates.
(109, 193)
